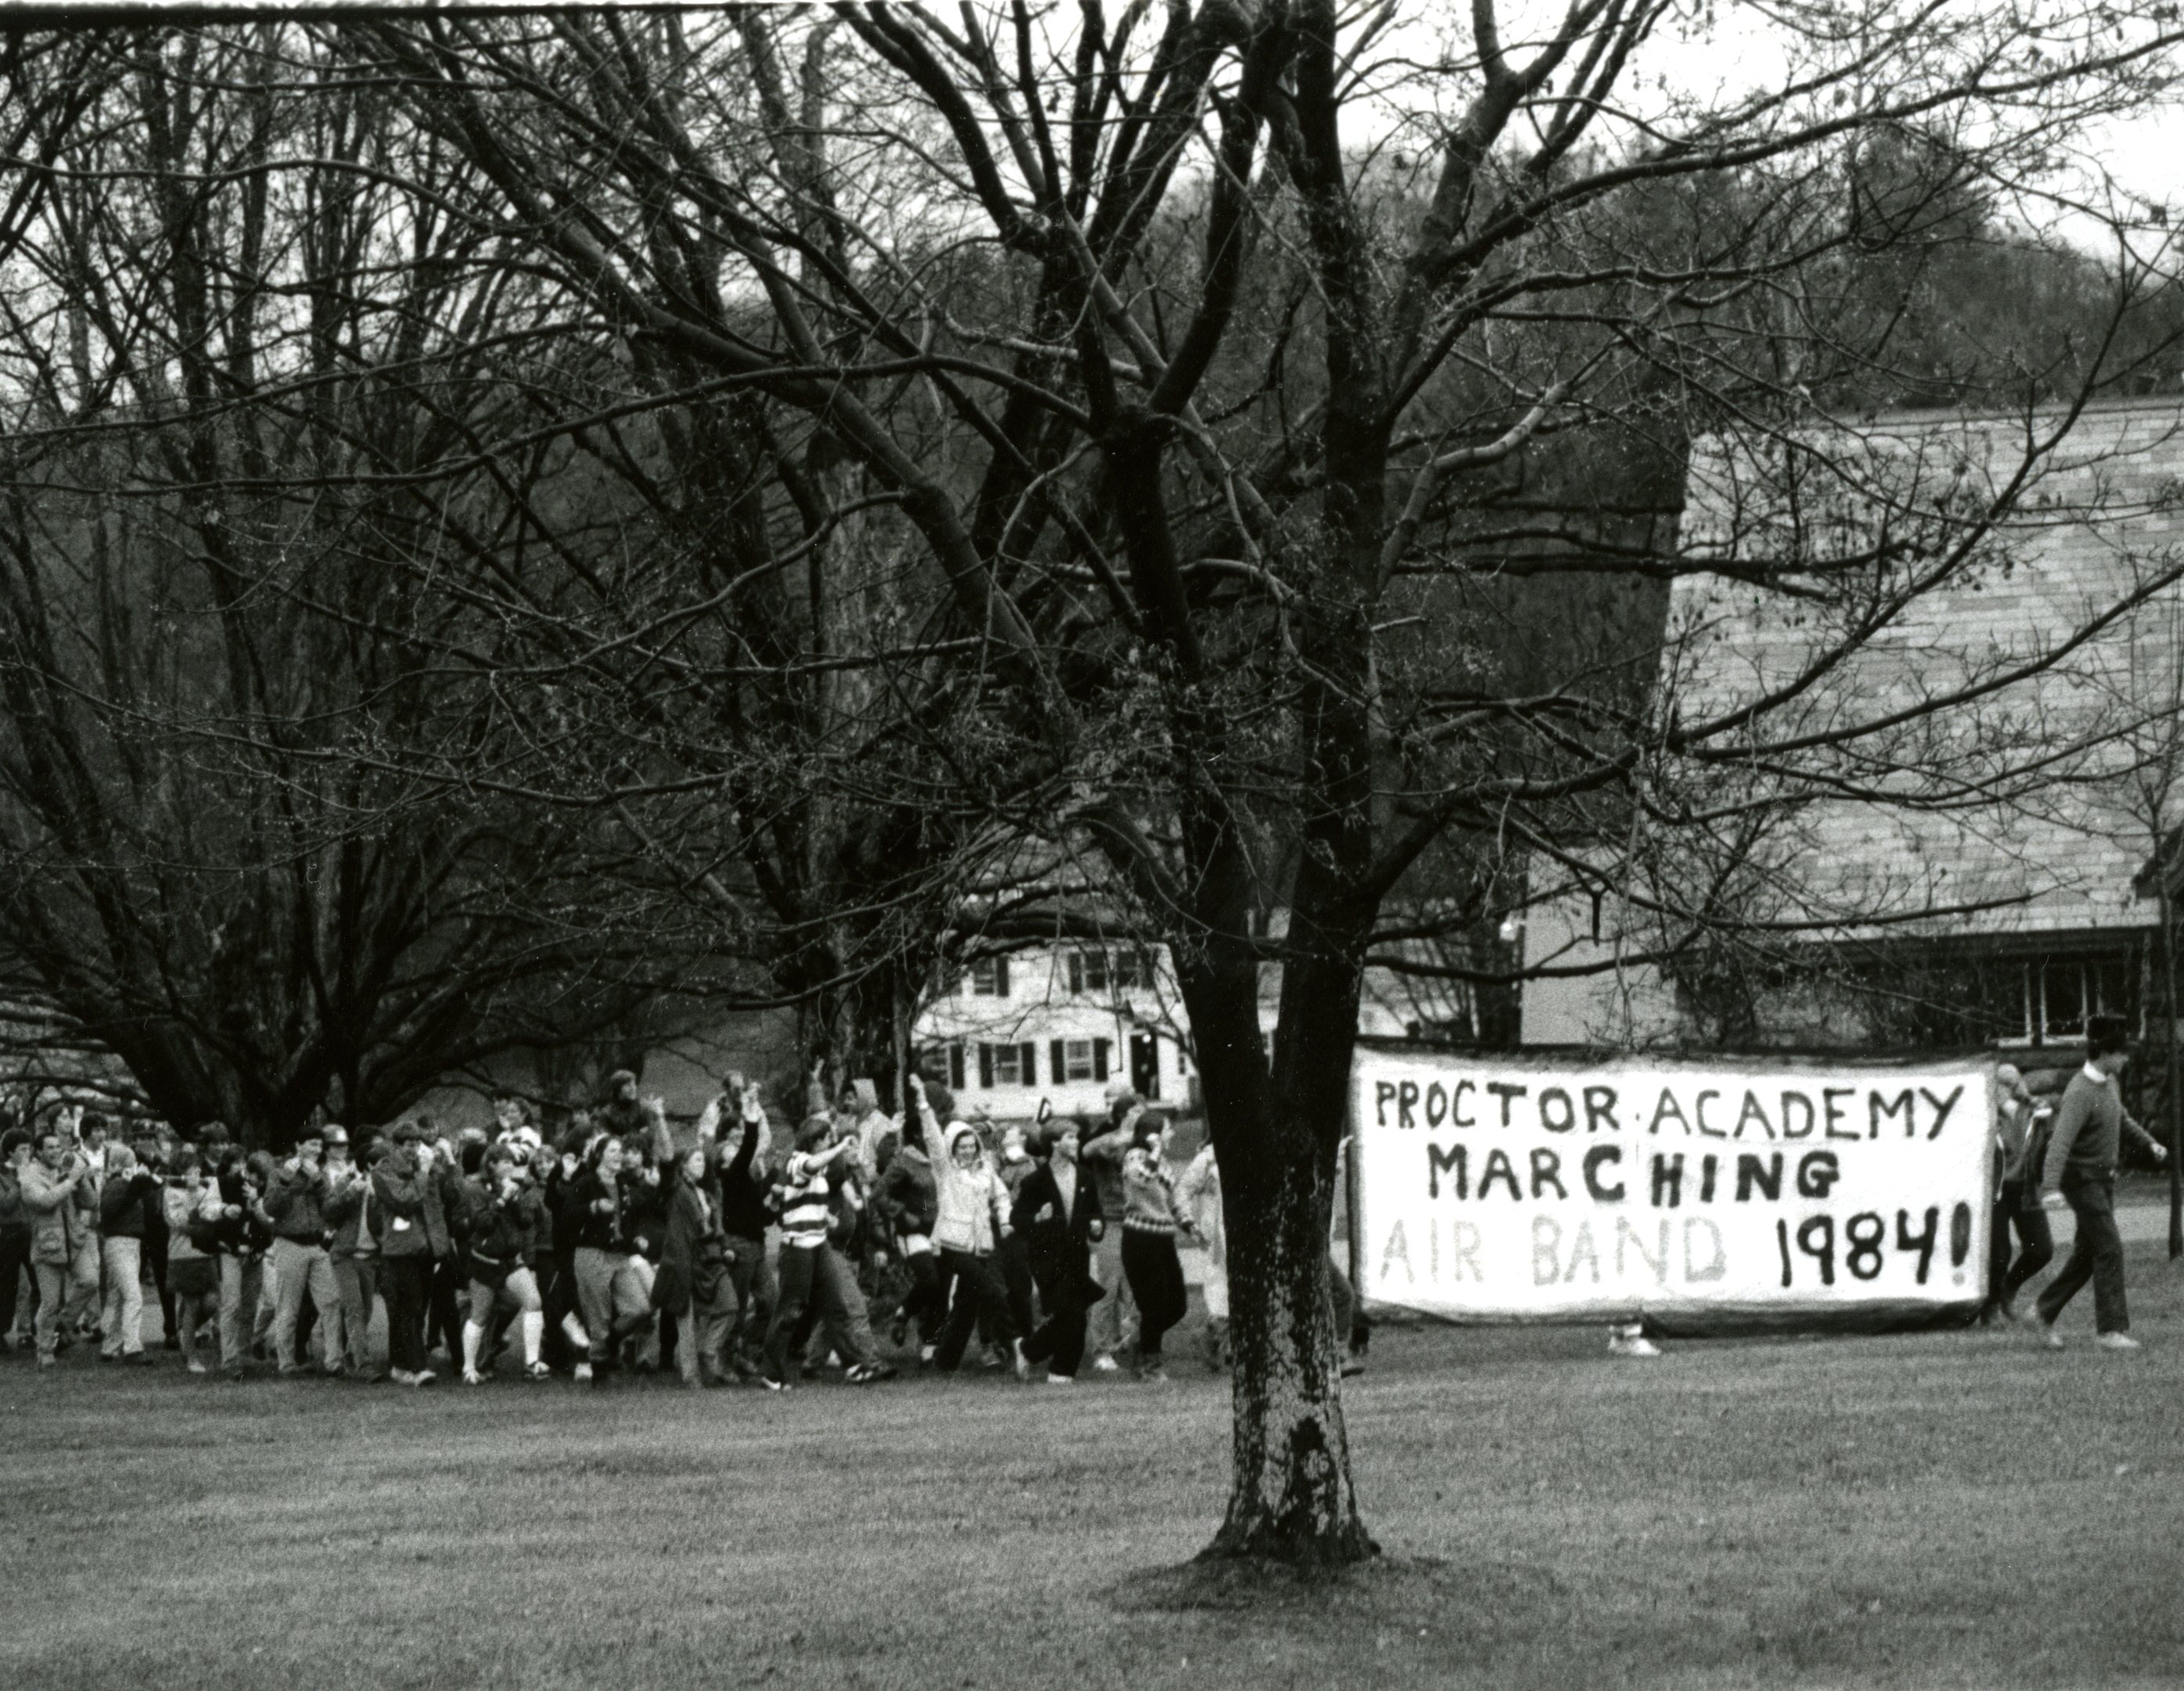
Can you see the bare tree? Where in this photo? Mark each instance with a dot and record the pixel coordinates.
(1183, 369)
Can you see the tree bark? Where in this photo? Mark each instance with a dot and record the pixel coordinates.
(1291, 1498)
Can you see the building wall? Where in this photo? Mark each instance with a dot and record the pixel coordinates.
(2057, 863)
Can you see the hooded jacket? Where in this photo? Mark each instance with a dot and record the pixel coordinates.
(973, 1205)
(57, 1230)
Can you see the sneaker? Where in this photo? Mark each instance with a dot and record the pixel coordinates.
(537, 1371)
(45, 1362)
(472, 1377)
(1152, 1373)
(136, 1359)
(877, 1373)
(402, 1376)
(2048, 1337)
(773, 1384)
(424, 1376)
(1022, 1362)
(1105, 1363)
(1631, 1341)
(926, 1353)
(198, 1367)
(1061, 1379)
(2115, 1341)
(583, 1376)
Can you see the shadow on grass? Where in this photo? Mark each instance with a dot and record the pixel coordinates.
(1389, 1591)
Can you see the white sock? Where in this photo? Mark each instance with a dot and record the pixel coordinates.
(534, 1329)
(473, 1337)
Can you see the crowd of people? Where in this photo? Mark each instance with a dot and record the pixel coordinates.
(609, 1249)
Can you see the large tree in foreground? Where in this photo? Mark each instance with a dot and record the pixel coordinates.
(1211, 382)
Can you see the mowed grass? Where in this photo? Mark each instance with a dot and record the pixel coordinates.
(1941, 1509)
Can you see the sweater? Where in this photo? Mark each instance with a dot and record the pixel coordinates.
(295, 1198)
(1148, 1204)
(2086, 1137)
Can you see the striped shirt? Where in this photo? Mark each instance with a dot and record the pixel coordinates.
(804, 1213)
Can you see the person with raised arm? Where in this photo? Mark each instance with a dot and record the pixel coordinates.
(48, 1184)
(972, 1219)
(504, 1218)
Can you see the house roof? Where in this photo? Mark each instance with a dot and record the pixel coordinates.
(2035, 829)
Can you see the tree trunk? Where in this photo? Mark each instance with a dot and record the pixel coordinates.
(1291, 1498)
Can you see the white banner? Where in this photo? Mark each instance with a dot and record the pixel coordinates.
(1495, 1189)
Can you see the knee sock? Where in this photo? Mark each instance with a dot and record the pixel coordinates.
(573, 1331)
(473, 1337)
(534, 1329)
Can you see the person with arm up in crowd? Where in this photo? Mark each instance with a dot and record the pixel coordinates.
(2080, 1171)
(973, 1218)
(130, 1191)
(505, 1216)
(295, 1203)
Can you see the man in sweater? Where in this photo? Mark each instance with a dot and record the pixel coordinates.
(2081, 1166)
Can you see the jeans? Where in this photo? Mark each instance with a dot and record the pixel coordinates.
(615, 1292)
(241, 1286)
(703, 1342)
(81, 1303)
(754, 1298)
(924, 1301)
(52, 1279)
(978, 1291)
(1155, 1272)
(2097, 1254)
(298, 1268)
(406, 1281)
(356, 1283)
(1112, 1323)
(123, 1260)
(2005, 1278)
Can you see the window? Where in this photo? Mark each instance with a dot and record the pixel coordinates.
(1957, 998)
(2071, 989)
(1131, 966)
(1008, 1065)
(1078, 1060)
(1088, 972)
(989, 977)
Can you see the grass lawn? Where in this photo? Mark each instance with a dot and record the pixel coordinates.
(1958, 1509)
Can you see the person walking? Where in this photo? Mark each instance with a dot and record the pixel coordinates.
(692, 1283)
(1112, 1326)
(614, 1282)
(503, 1221)
(972, 1219)
(241, 1239)
(1198, 1196)
(2019, 1139)
(353, 1251)
(1152, 1217)
(2080, 1171)
(907, 1199)
(1056, 1214)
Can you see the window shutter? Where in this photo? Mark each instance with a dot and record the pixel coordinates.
(985, 1063)
(1098, 1059)
(1057, 1063)
(1075, 972)
(1000, 978)
(956, 1067)
(1027, 1072)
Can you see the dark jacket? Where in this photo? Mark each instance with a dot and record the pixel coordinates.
(692, 1254)
(502, 1232)
(743, 1212)
(1059, 1243)
(614, 1230)
(400, 1194)
(908, 1196)
(296, 1199)
(124, 1205)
